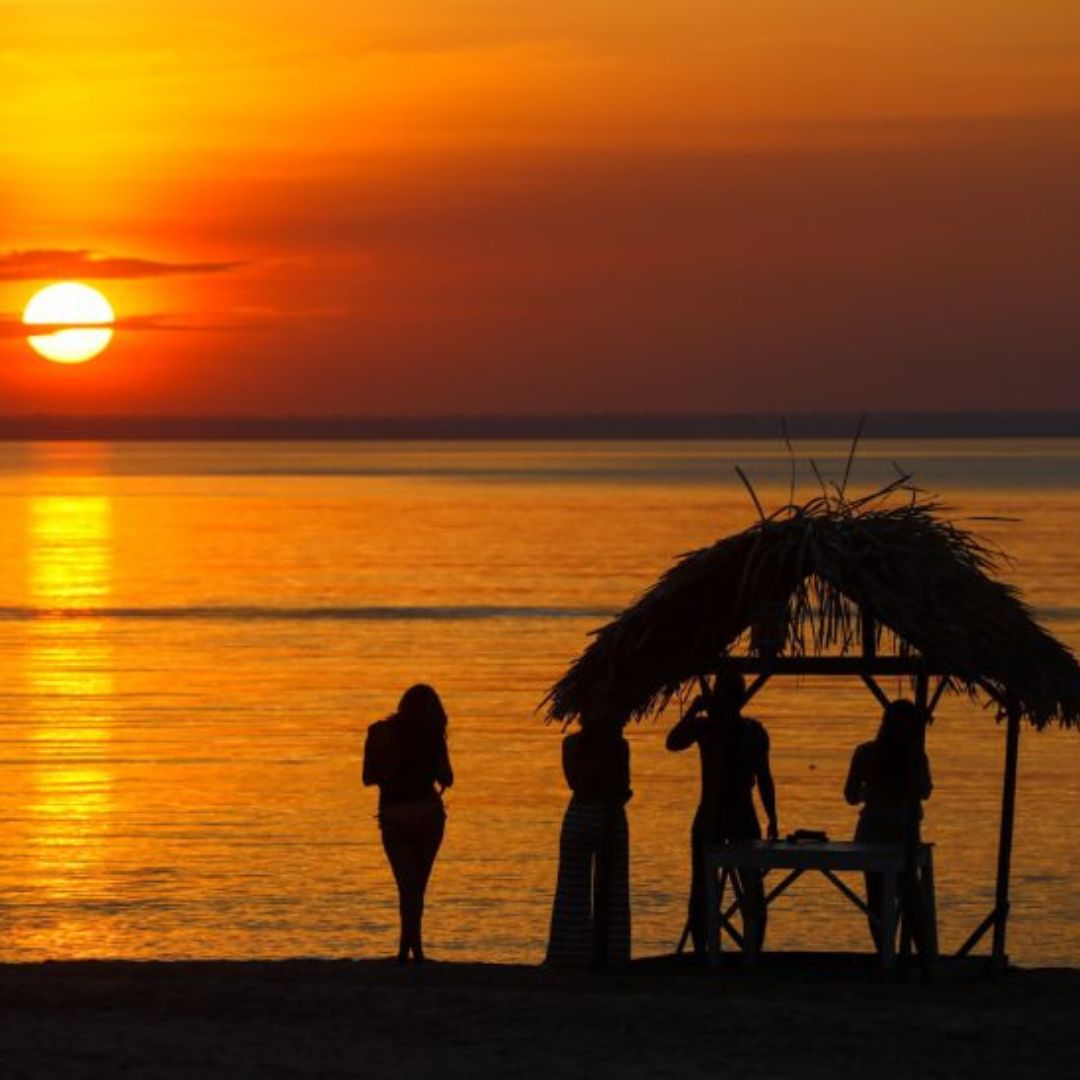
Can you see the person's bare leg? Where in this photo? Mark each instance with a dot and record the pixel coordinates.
(401, 852)
(427, 849)
(697, 906)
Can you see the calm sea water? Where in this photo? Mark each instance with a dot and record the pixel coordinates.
(193, 639)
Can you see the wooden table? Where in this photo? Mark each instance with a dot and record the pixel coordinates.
(828, 858)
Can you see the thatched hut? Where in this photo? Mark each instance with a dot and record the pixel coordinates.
(881, 586)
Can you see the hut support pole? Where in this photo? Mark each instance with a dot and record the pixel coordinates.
(1008, 813)
(933, 703)
(976, 935)
(756, 685)
(872, 686)
(922, 690)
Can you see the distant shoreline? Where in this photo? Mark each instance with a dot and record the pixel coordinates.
(613, 427)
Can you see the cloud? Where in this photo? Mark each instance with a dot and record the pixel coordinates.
(12, 326)
(243, 319)
(57, 263)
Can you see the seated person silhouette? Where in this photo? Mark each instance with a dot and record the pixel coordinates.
(590, 917)
(734, 752)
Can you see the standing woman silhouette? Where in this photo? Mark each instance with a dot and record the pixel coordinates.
(590, 916)
(890, 777)
(407, 756)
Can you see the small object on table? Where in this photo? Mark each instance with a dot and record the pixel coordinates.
(808, 836)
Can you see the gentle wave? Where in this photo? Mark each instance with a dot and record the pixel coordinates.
(388, 613)
(254, 613)
(1058, 614)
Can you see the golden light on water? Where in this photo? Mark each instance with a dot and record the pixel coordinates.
(70, 552)
(69, 672)
(181, 777)
(73, 303)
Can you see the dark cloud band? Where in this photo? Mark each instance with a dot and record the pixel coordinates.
(54, 263)
(11, 326)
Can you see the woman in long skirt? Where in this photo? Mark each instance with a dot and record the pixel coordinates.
(590, 918)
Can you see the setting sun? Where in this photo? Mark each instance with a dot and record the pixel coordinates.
(74, 313)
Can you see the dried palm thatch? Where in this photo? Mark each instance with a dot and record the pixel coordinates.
(800, 581)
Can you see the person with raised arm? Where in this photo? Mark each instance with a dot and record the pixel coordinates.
(734, 751)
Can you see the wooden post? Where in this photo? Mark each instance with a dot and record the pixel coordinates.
(922, 689)
(942, 686)
(1008, 809)
(872, 686)
(869, 634)
(755, 686)
(913, 908)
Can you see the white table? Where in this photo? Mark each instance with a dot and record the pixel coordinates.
(826, 857)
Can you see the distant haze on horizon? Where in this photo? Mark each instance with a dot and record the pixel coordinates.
(482, 208)
(768, 427)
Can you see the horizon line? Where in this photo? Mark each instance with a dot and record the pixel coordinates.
(599, 426)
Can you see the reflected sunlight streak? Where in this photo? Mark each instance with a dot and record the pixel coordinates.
(70, 679)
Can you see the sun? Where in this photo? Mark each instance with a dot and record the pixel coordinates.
(80, 308)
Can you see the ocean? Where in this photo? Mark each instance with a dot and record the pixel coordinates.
(195, 636)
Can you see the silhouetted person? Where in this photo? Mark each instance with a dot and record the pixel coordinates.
(590, 918)
(407, 756)
(890, 777)
(734, 753)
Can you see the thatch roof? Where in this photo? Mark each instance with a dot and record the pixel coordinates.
(802, 578)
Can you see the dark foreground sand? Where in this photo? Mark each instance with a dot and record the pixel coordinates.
(340, 1018)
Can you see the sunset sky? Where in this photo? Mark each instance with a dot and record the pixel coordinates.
(484, 206)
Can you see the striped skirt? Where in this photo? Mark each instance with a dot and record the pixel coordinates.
(590, 918)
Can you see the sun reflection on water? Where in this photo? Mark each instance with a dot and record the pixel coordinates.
(69, 673)
(174, 785)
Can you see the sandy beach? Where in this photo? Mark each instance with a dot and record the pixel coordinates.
(346, 1018)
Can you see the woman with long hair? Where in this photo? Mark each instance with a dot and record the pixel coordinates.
(890, 777)
(590, 917)
(407, 757)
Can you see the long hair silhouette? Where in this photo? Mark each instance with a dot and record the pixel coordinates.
(423, 720)
(900, 746)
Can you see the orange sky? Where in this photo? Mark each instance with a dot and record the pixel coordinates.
(549, 207)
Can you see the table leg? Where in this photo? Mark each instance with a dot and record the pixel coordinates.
(751, 920)
(888, 920)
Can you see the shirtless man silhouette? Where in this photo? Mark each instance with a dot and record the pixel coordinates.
(734, 753)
